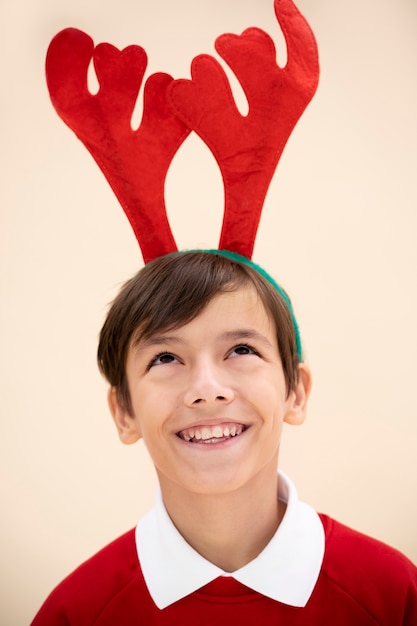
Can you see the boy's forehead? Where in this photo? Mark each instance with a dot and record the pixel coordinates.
(237, 313)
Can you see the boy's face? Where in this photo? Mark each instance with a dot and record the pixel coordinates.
(209, 398)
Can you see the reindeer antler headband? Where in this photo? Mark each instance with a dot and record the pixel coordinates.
(246, 148)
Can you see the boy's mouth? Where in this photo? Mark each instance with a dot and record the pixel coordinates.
(211, 434)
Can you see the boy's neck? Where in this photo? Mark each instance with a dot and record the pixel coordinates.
(229, 529)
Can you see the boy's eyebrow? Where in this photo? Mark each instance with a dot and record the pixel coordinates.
(245, 333)
(155, 340)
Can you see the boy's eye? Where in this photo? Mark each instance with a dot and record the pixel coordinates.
(164, 358)
(242, 349)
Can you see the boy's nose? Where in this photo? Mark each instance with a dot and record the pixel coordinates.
(207, 385)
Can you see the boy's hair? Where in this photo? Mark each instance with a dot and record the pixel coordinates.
(170, 292)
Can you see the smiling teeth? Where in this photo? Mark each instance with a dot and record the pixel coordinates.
(211, 434)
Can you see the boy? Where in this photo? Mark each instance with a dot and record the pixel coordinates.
(202, 355)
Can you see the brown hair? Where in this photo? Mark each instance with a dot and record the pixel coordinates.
(171, 291)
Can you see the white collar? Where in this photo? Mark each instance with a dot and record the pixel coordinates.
(286, 570)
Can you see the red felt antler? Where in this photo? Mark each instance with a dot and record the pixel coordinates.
(247, 149)
(135, 162)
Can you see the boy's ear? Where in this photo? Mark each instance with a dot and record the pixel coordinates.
(126, 424)
(298, 398)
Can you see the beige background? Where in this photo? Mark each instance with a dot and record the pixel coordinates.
(338, 231)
